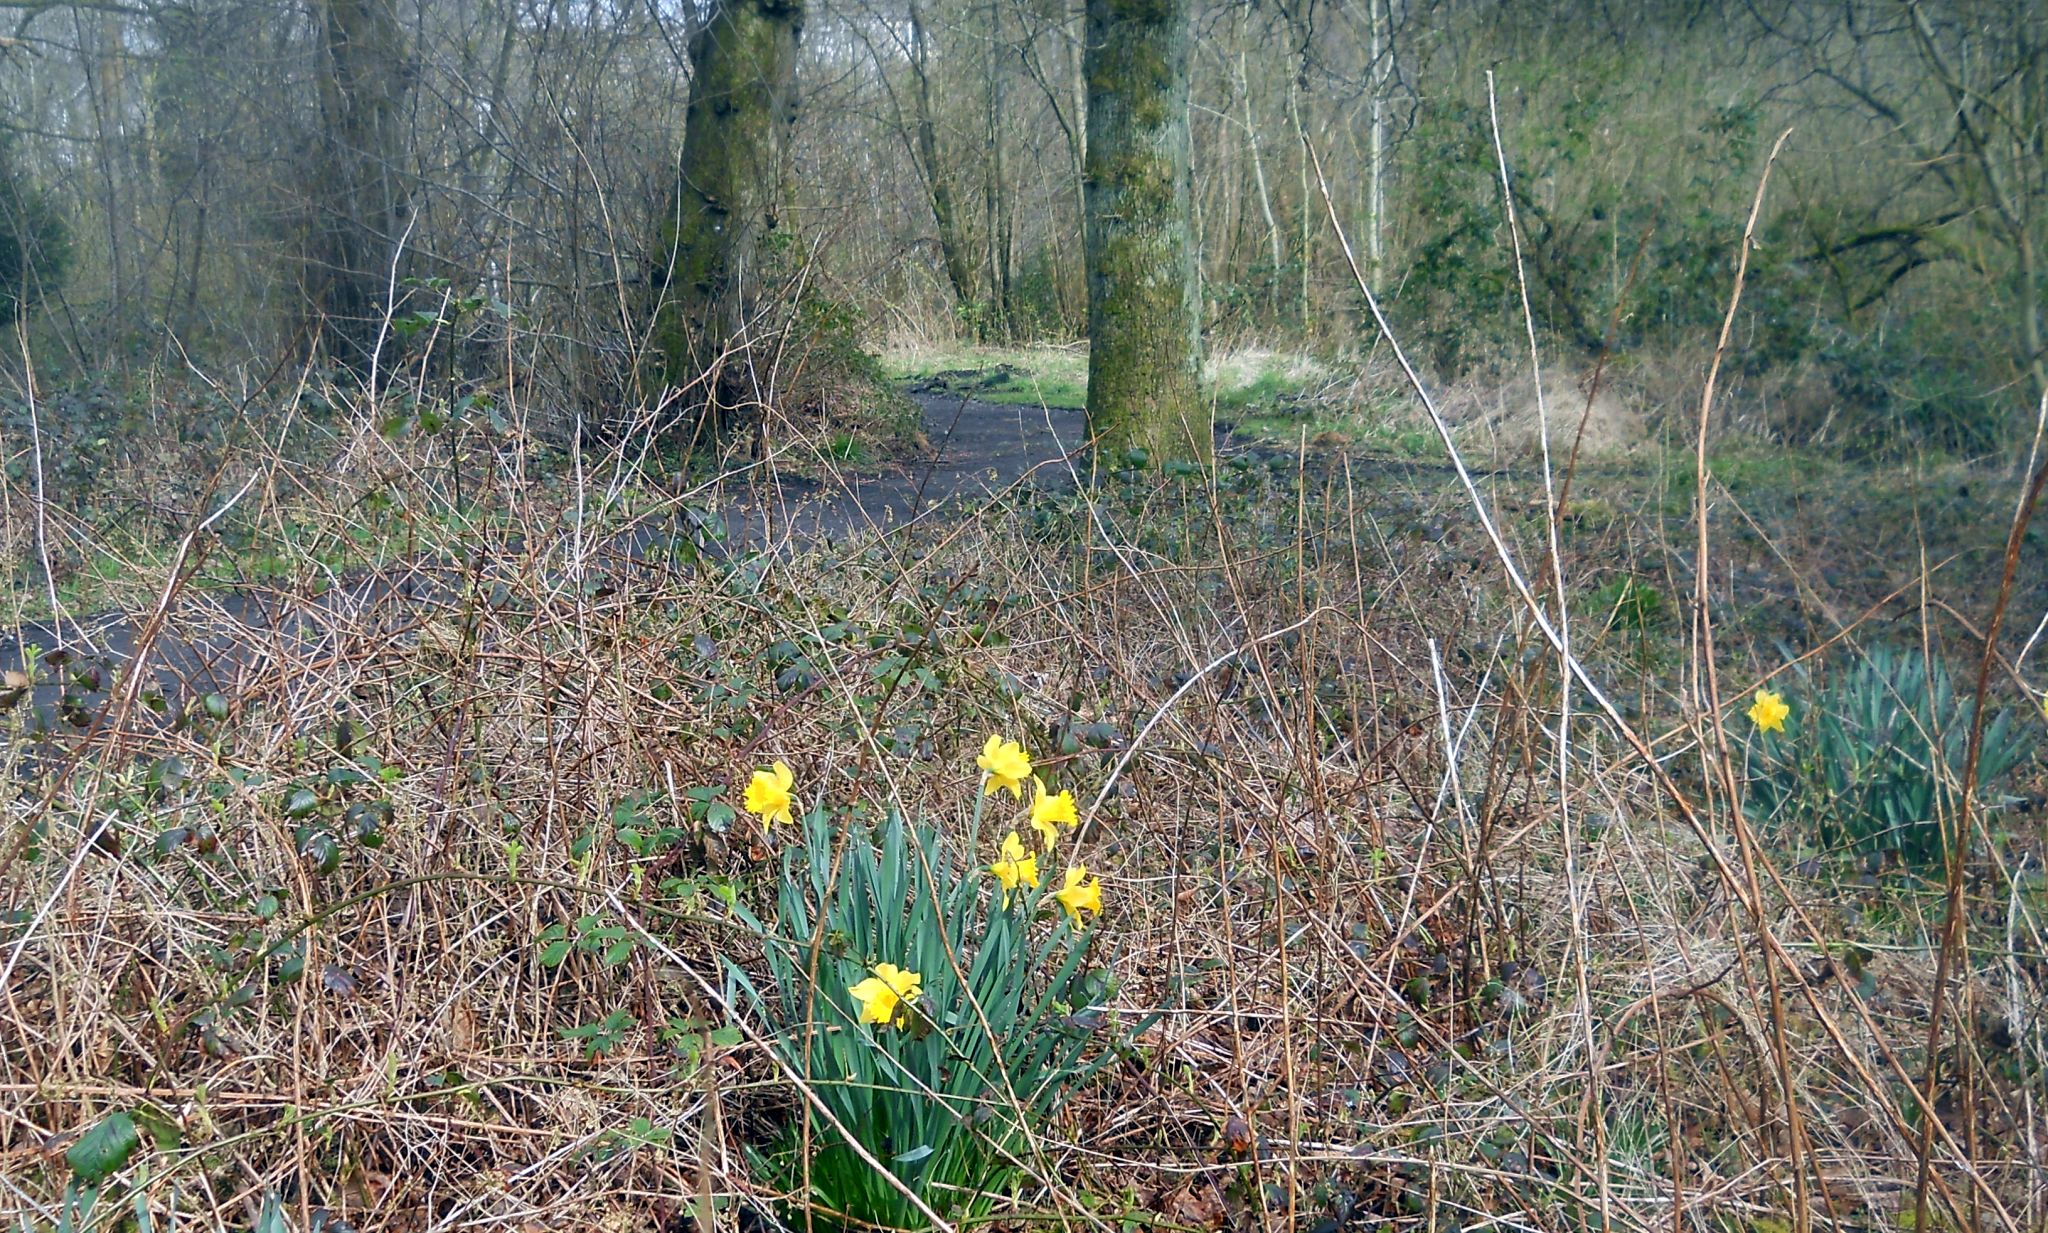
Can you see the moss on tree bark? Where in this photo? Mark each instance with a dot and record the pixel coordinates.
(742, 104)
(1144, 320)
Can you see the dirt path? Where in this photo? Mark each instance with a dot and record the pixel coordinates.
(978, 448)
(218, 641)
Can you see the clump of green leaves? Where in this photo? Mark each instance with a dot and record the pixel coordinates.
(1872, 763)
(946, 1096)
(1629, 604)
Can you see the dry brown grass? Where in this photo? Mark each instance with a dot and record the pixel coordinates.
(1414, 965)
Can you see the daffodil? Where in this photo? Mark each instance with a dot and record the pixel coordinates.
(1007, 764)
(1081, 893)
(1015, 867)
(1768, 711)
(1051, 811)
(768, 796)
(886, 996)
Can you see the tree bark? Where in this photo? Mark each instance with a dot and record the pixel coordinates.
(742, 106)
(1144, 320)
(361, 199)
(945, 214)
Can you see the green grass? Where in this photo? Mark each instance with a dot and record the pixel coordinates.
(1031, 376)
(1265, 394)
(848, 448)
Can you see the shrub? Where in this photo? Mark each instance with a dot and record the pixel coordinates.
(1873, 763)
(976, 1027)
(35, 246)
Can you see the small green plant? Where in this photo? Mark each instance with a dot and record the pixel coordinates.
(1873, 762)
(934, 1010)
(848, 448)
(1629, 604)
(603, 1036)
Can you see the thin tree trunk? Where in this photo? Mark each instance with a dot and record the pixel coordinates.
(1276, 247)
(742, 106)
(1376, 198)
(938, 184)
(361, 197)
(995, 190)
(1144, 368)
(1305, 241)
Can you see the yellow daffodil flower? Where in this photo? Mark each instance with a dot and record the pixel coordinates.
(1051, 811)
(886, 996)
(1015, 867)
(1768, 711)
(768, 795)
(1080, 893)
(1007, 764)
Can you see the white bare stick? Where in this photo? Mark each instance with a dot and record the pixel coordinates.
(35, 434)
(1575, 890)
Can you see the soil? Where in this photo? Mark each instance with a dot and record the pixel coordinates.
(977, 449)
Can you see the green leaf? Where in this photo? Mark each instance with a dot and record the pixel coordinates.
(104, 1149)
(161, 1127)
(320, 849)
(271, 1218)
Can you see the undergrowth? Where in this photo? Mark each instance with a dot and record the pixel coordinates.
(426, 893)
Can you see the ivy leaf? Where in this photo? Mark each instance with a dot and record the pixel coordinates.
(104, 1149)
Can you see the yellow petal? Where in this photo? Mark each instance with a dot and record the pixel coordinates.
(1079, 894)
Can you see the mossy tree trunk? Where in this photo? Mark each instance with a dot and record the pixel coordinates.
(742, 105)
(1144, 320)
(361, 196)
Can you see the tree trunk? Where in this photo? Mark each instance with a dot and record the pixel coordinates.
(742, 105)
(1144, 322)
(945, 215)
(361, 197)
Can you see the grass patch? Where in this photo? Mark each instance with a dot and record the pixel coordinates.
(1032, 376)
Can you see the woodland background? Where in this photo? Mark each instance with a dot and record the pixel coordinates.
(172, 192)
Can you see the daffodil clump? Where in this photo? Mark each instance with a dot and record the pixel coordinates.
(1867, 761)
(931, 992)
